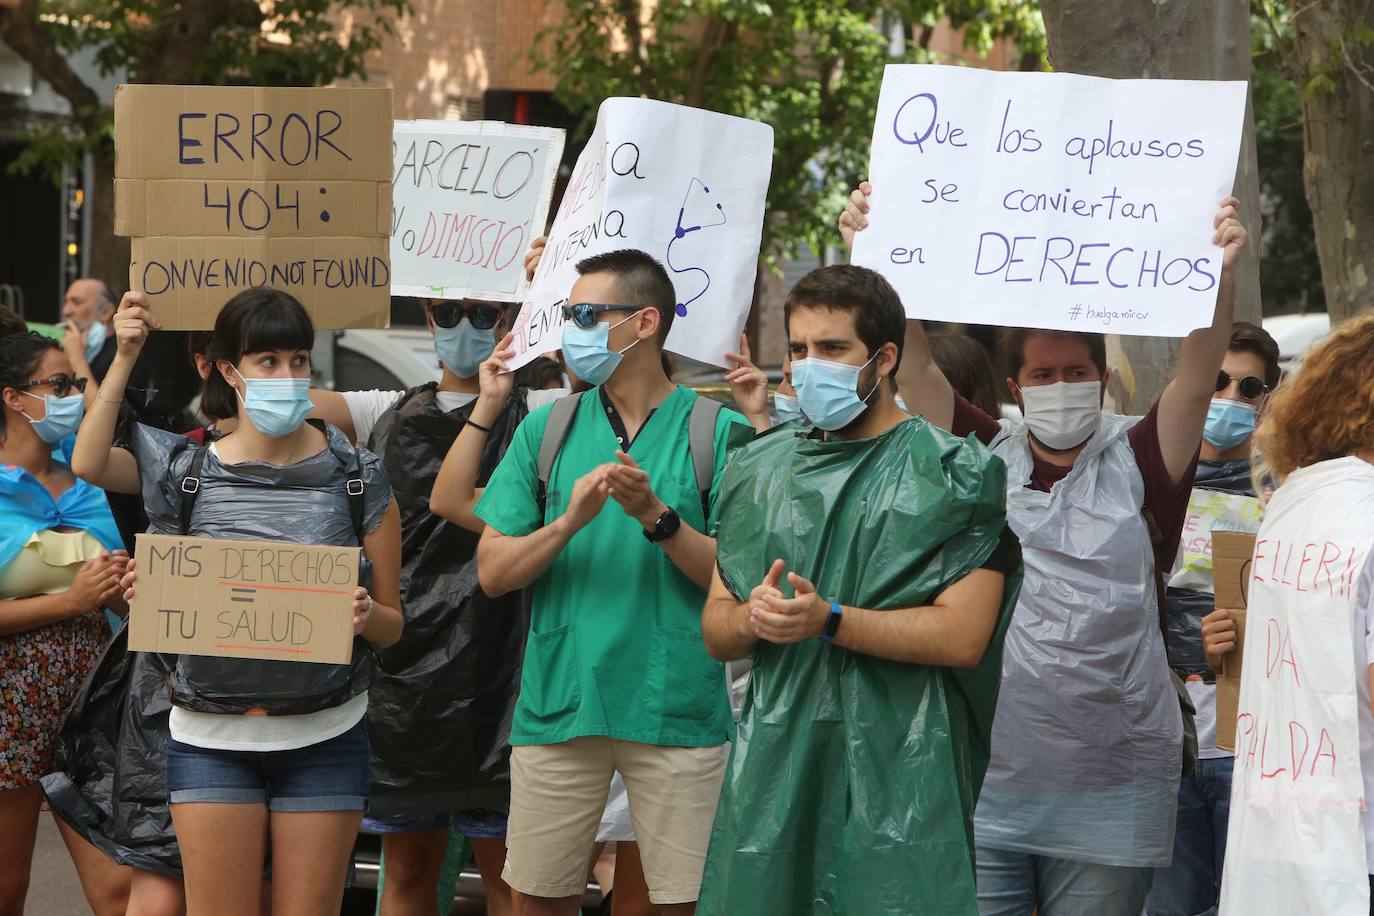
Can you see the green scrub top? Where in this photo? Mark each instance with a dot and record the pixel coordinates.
(615, 645)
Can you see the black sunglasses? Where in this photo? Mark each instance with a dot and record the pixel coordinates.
(583, 314)
(61, 384)
(1251, 387)
(481, 317)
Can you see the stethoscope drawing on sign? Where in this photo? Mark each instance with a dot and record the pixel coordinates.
(681, 232)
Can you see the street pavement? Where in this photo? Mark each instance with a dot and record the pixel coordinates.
(54, 889)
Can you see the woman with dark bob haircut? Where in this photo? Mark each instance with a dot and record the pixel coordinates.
(260, 747)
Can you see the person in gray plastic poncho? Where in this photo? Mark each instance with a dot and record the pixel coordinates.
(260, 748)
(1087, 747)
(871, 575)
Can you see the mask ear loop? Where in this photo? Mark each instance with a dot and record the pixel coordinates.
(618, 324)
(877, 384)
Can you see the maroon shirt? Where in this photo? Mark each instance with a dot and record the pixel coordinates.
(1166, 505)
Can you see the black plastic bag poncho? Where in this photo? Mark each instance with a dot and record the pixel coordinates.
(852, 785)
(108, 781)
(439, 716)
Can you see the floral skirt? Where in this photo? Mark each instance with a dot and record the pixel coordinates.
(41, 672)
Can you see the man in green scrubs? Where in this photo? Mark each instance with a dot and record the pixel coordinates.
(869, 571)
(616, 676)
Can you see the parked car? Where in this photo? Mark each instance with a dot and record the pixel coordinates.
(1295, 335)
(358, 360)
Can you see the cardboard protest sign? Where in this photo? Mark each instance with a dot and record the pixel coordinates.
(1051, 200)
(227, 188)
(1209, 512)
(1231, 553)
(467, 198)
(685, 185)
(243, 599)
(1297, 841)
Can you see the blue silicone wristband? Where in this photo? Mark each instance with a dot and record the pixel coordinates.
(832, 623)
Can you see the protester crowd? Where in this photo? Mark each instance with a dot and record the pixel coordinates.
(981, 670)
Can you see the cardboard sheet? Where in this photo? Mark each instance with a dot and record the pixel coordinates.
(226, 188)
(1231, 557)
(243, 599)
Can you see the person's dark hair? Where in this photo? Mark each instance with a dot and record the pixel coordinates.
(877, 309)
(1014, 347)
(539, 373)
(198, 342)
(640, 279)
(966, 365)
(255, 320)
(10, 322)
(1251, 338)
(20, 356)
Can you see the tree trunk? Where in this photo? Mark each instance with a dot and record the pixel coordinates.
(1164, 39)
(1338, 148)
(109, 252)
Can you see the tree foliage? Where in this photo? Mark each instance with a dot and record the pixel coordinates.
(180, 42)
(809, 68)
(1290, 276)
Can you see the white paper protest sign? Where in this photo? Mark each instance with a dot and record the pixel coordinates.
(1297, 838)
(467, 198)
(1209, 511)
(1051, 200)
(685, 185)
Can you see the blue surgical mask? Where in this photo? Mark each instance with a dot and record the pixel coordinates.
(786, 408)
(63, 418)
(277, 406)
(95, 339)
(588, 353)
(463, 348)
(828, 391)
(1229, 423)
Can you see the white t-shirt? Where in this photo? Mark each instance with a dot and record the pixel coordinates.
(1364, 656)
(367, 407)
(265, 733)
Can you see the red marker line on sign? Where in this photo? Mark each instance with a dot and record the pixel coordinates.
(225, 645)
(288, 588)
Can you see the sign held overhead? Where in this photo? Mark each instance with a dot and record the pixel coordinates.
(467, 198)
(685, 185)
(227, 188)
(243, 599)
(1051, 200)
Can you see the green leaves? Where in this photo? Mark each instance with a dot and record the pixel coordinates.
(810, 68)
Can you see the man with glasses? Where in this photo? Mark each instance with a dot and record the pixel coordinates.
(1223, 498)
(616, 542)
(439, 715)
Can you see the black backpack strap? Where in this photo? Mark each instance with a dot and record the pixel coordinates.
(190, 487)
(701, 440)
(555, 432)
(354, 488)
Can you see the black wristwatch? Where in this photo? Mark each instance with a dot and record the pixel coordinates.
(665, 527)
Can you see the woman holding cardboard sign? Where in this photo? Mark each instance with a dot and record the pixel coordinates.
(261, 746)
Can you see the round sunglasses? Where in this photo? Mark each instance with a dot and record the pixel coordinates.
(481, 317)
(1251, 387)
(584, 314)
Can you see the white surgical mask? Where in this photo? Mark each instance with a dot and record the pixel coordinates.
(1065, 414)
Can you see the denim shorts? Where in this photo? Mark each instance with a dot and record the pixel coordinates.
(330, 776)
(475, 824)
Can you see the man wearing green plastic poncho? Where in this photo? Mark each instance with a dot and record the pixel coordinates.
(870, 573)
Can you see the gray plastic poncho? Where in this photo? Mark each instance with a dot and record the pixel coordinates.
(302, 503)
(1087, 743)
